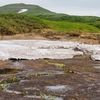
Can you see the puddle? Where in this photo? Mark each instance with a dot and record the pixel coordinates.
(59, 88)
(15, 92)
(59, 72)
(17, 64)
(22, 81)
(91, 84)
(79, 85)
(9, 70)
(86, 73)
(96, 66)
(56, 87)
(98, 90)
(31, 88)
(98, 83)
(44, 97)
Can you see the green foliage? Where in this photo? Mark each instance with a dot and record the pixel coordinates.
(58, 65)
(2, 86)
(10, 80)
(96, 24)
(71, 72)
(39, 18)
(15, 23)
(72, 27)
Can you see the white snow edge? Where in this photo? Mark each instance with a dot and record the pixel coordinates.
(23, 10)
(35, 49)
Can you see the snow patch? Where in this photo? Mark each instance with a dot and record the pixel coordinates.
(35, 49)
(23, 10)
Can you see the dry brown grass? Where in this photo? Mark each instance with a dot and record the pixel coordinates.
(52, 35)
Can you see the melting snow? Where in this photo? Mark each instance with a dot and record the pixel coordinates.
(23, 10)
(35, 49)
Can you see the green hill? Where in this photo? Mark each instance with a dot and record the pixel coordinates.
(43, 13)
(77, 27)
(32, 9)
(23, 18)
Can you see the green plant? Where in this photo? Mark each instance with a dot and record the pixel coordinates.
(58, 65)
(10, 80)
(41, 95)
(24, 92)
(3, 87)
(71, 72)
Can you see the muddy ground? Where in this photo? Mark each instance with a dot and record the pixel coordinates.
(29, 36)
(46, 79)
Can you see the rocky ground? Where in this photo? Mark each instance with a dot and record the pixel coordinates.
(47, 79)
(72, 74)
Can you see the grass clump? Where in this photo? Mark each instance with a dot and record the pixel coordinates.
(10, 80)
(58, 65)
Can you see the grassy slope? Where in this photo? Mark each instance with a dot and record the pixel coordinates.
(19, 23)
(72, 26)
(65, 22)
(15, 23)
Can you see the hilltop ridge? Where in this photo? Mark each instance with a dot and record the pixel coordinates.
(32, 9)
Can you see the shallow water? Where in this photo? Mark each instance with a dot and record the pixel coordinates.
(15, 92)
(17, 64)
(31, 88)
(22, 81)
(98, 90)
(59, 88)
(96, 66)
